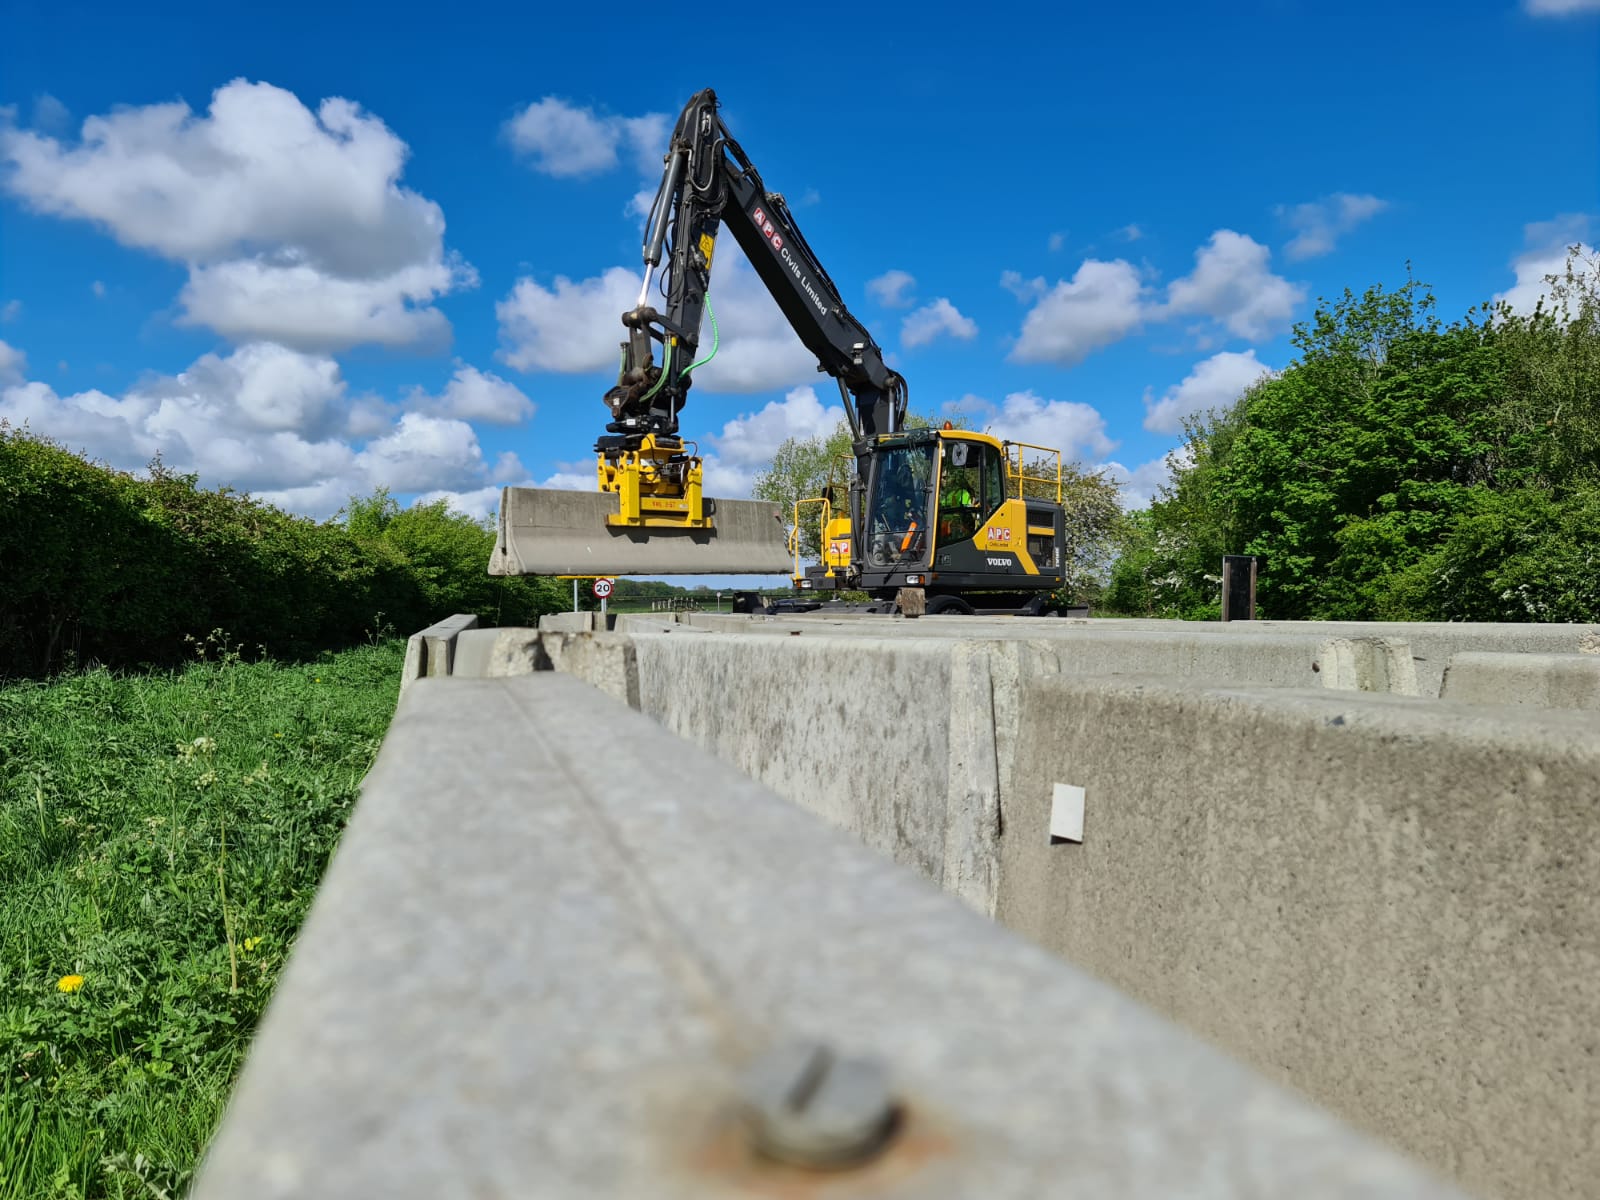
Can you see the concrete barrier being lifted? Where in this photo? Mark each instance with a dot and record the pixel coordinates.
(548, 531)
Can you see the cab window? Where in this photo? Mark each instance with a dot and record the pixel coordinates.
(960, 490)
(993, 480)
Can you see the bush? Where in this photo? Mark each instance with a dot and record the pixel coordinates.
(97, 565)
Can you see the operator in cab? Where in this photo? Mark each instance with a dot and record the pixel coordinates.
(957, 509)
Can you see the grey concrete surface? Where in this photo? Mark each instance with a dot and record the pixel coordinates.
(922, 739)
(1431, 644)
(1389, 903)
(549, 531)
(1536, 680)
(432, 652)
(554, 934)
(909, 742)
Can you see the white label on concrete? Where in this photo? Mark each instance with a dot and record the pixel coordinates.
(1066, 814)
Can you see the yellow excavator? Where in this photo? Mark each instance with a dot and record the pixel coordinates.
(974, 521)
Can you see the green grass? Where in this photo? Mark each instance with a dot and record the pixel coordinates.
(161, 836)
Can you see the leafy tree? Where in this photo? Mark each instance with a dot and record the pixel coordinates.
(1393, 459)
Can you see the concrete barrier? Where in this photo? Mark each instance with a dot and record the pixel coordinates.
(1431, 644)
(432, 652)
(553, 936)
(1388, 903)
(909, 741)
(1433, 972)
(1538, 680)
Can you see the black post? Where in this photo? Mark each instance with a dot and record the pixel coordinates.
(1238, 587)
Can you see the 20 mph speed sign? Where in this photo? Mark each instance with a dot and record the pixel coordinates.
(602, 588)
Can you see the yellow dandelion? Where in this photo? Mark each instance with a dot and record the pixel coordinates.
(251, 943)
(277, 735)
(69, 983)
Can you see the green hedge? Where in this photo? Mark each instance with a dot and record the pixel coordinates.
(97, 565)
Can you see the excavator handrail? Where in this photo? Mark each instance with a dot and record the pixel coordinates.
(822, 529)
(1018, 469)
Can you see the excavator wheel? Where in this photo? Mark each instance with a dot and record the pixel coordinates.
(950, 605)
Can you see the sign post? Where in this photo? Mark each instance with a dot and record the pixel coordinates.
(602, 591)
(1238, 587)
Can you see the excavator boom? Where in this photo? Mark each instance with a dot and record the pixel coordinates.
(942, 510)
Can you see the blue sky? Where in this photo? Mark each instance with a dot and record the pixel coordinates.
(312, 250)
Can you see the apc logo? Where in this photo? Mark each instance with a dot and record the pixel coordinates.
(839, 548)
(1000, 536)
(759, 216)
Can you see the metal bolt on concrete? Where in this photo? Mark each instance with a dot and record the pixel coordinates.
(809, 1107)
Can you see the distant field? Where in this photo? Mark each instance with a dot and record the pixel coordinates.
(160, 840)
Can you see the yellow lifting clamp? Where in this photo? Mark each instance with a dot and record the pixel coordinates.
(657, 486)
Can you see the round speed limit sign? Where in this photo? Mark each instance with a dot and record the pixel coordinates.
(602, 588)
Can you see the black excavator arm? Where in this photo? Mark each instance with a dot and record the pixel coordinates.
(708, 181)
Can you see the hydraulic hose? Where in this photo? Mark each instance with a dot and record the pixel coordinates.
(666, 367)
(714, 338)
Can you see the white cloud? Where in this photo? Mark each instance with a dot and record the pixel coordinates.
(1232, 284)
(1142, 484)
(568, 327)
(50, 115)
(474, 395)
(893, 289)
(751, 439)
(932, 321)
(292, 224)
(263, 419)
(575, 327)
(10, 311)
(299, 306)
(1560, 8)
(423, 453)
(477, 503)
(1546, 246)
(1025, 290)
(747, 443)
(572, 477)
(1130, 233)
(1321, 223)
(1100, 305)
(508, 468)
(1077, 430)
(13, 364)
(99, 289)
(1214, 382)
(564, 140)
(1056, 241)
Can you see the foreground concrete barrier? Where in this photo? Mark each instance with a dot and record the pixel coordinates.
(1537, 680)
(1388, 903)
(554, 936)
(1435, 863)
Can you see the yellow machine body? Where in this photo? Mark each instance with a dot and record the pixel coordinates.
(657, 487)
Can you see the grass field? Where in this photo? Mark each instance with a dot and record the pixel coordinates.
(160, 840)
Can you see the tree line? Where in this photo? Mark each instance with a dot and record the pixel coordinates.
(1400, 468)
(98, 565)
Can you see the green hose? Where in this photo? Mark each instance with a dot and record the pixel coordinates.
(712, 314)
(666, 365)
